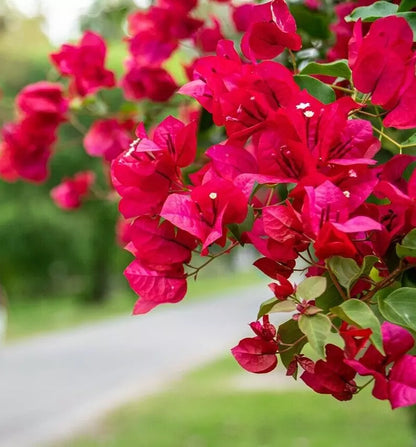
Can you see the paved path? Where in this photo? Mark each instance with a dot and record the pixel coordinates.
(53, 385)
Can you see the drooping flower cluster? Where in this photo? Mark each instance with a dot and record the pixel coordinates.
(27, 143)
(302, 166)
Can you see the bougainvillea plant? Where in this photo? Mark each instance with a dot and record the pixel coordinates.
(310, 159)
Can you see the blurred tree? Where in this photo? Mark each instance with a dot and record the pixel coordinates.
(107, 17)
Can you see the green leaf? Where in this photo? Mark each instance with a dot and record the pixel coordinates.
(311, 288)
(316, 88)
(289, 333)
(314, 23)
(317, 329)
(273, 305)
(346, 270)
(411, 20)
(372, 12)
(410, 140)
(338, 69)
(359, 314)
(330, 298)
(406, 5)
(368, 264)
(408, 245)
(399, 307)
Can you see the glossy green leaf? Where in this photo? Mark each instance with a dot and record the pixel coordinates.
(330, 298)
(346, 270)
(316, 88)
(406, 5)
(273, 305)
(317, 329)
(408, 245)
(410, 141)
(372, 12)
(337, 69)
(399, 307)
(311, 288)
(368, 264)
(314, 23)
(289, 333)
(359, 314)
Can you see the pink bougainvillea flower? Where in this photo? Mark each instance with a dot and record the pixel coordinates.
(242, 16)
(328, 203)
(382, 62)
(355, 339)
(272, 29)
(333, 242)
(402, 382)
(69, 194)
(399, 390)
(26, 149)
(84, 63)
(45, 98)
(401, 193)
(207, 210)
(343, 30)
(258, 354)
(143, 182)
(332, 375)
(264, 329)
(141, 82)
(107, 138)
(274, 269)
(155, 284)
(175, 138)
(282, 288)
(206, 38)
(160, 242)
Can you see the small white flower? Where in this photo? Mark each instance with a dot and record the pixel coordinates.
(347, 194)
(213, 195)
(309, 113)
(303, 105)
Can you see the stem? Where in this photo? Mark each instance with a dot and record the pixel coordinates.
(342, 89)
(212, 257)
(360, 388)
(77, 124)
(337, 285)
(290, 346)
(293, 61)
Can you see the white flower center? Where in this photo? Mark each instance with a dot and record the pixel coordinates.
(213, 195)
(303, 105)
(309, 113)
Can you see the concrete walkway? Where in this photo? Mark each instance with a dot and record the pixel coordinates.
(53, 385)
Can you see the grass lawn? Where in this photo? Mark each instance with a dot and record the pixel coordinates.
(41, 315)
(205, 409)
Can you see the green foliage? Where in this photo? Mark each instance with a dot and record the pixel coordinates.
(316, 88)
(317, 329)
(273, 305)
(311, 288)
(408, 245)
(359, 314)
(289, 334)
(399, 307)
(337, 69)
(372, 12)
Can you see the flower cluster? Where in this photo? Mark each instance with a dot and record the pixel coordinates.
(311, 163)
(27, 143)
